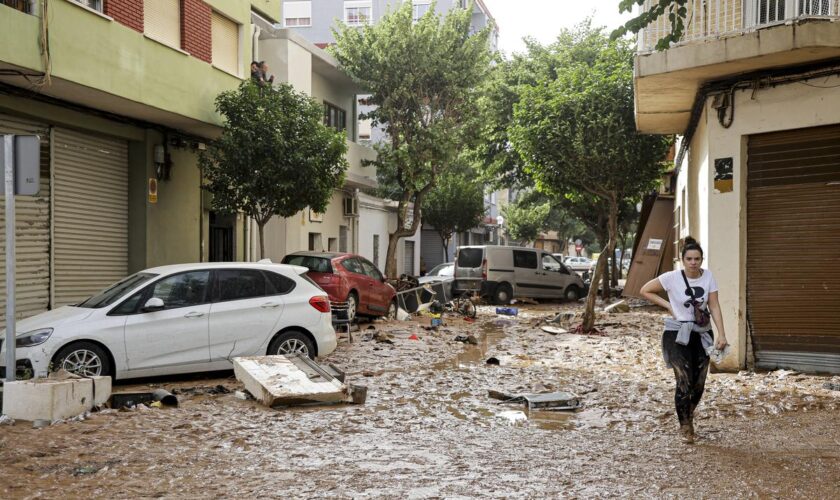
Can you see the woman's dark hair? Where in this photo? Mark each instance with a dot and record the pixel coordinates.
(691, 244)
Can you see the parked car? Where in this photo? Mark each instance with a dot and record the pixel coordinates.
(180, 319)
(349, 278)
(503, 273)
(579, 264)
(443, 274)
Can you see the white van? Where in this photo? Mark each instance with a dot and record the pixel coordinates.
(503, 273)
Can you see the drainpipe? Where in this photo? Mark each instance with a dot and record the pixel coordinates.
(255, 42)
(246, 225)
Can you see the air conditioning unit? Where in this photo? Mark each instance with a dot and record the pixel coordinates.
(351, 207)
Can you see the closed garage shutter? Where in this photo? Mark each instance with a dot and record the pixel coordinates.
(91, 214)
(408, 258)
(32, 233)
(793, 248)
(431, 249)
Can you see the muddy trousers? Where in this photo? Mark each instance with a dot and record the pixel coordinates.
(690, 364)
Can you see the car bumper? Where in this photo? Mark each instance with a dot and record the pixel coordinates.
(325, 336)
(30, 361)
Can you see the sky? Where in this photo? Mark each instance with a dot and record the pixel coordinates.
(543, 19)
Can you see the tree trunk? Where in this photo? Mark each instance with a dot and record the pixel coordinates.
(588, 324)
(445, 242)
(621, 262)
(401, 231)
(614, 276)
(261, 227)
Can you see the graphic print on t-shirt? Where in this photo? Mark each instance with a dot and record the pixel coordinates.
(699, 292)
(679, 296)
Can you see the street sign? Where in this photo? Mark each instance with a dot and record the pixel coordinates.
(20, 157)
(27, 164)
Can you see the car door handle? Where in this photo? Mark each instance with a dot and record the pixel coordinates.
(194, 314)
(268, 305)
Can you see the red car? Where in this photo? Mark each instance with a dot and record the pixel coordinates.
(351, 278)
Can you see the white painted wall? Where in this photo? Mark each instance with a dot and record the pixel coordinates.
(721, 217)
(380, 218)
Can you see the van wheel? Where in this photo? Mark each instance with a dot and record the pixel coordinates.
(573, 293)
(503, 294)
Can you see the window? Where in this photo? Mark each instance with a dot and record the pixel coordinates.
(357, 13)
(371, 270)
(470, 257)
(335, 117)
(315, 242)
(91, 4)
(24, 6)
(376, 250)
(225, 43)
(297, 13)
(814, 7)
(353, 265)
(182, 290)
(314, 264)
(332, 244)
(162, 21)
(115, 291)
(549, 263)
(279, 284)
(239, 284)
(525, 259)
(420, 8)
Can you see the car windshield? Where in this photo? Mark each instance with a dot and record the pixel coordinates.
(442, 270)
(315, 264)
(114, 292)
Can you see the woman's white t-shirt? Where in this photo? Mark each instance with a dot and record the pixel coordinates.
(679, 296)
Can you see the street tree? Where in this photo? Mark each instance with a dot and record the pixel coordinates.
(676, 11)
(576, 133)
(525, 221)
(275, 156)
(424, 79)
(454, 205)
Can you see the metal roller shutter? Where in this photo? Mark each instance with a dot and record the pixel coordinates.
(431, 248)
(408, 258)
(32, 233)
(91, 214)
(793, 248)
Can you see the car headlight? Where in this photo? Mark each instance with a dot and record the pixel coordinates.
(34, 338)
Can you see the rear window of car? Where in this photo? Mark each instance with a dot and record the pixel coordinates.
(314, 264)
(524, 259)
(470, 257)
(279, 284)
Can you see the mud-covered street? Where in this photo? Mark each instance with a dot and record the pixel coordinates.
(429, 429)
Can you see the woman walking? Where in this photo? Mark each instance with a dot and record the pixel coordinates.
(692, 294)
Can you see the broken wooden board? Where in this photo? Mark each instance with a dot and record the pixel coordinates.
(289, 380)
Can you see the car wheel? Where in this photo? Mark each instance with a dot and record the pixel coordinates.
(503, 294)
(572, 293)
(352, 306)
(292, 343)
(392, 310)
(85, 359)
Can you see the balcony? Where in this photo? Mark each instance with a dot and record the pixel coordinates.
(722, 39)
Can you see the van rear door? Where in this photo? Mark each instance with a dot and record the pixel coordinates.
(468, 273)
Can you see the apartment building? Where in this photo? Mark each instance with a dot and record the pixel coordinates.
(121, 94)
(753, 90)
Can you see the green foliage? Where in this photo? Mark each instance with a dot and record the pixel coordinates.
(676, 10)
(577, 132)
(455, 204)
(525, 221)
(275, 156)
(424, 79)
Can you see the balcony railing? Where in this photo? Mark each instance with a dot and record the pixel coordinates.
(709, 19)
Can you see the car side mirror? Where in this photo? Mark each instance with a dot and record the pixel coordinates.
(153, 304)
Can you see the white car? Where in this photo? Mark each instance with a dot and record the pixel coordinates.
(180, 319)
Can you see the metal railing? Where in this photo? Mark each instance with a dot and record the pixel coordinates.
(709, 19)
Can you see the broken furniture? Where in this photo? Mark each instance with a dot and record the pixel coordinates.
(553, 401)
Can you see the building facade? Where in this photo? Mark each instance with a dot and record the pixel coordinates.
(753, 90)
(121, 93)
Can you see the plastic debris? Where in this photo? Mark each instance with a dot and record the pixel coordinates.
(507, 311)
(513, 417)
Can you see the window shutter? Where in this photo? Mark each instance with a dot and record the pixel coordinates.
(162, 21)
(225, 43)
(297, 10)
